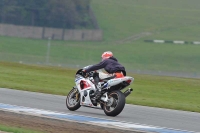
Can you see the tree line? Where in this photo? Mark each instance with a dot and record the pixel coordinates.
(69, 14)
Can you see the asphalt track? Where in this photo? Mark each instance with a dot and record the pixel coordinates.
(135, 114)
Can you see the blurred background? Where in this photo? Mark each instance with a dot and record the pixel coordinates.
(155, 37)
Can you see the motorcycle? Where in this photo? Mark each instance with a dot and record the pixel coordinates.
(112, 100)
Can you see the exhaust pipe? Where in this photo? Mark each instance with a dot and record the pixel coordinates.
(128, 92)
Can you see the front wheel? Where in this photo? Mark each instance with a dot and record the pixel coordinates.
(73, 100)
(115, 104)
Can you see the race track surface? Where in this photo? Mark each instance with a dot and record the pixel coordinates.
(135, 114)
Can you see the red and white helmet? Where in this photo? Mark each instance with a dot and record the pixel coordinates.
(106, 55)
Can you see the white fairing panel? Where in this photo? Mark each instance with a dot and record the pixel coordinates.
(78, 80)
(85, 99)
(116, 81)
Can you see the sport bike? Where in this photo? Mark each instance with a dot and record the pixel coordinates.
(112, 100)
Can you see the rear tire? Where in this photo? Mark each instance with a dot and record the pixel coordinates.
(116, 104)
(73, 100)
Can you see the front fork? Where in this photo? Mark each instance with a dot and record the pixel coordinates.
(76, 93)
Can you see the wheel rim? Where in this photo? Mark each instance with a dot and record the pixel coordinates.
(113, 102)
(73, 98)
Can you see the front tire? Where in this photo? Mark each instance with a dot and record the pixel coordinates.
(73, 100)
(116, 103)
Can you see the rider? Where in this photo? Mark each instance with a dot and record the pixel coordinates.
(111, 65)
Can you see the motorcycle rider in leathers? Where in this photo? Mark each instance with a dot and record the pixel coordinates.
(110, 65)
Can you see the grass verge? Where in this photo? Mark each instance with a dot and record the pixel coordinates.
(156, 91)
(16, 129)
(135, 56)
(170, 20)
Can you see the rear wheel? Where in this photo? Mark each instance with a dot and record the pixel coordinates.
(116, 103)
(73, 100)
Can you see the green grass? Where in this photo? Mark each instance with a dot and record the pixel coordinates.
(122, 22)
(36, 78)
(156, 91)
(169, 19)
(16, 129)
(135, 56)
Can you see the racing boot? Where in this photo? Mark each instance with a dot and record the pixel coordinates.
(96, 97)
